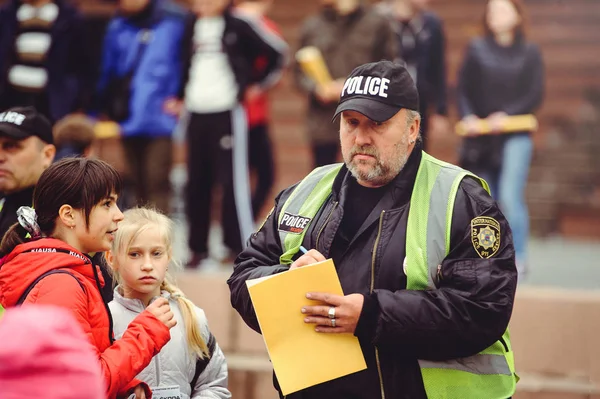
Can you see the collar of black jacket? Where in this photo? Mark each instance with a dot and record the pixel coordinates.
(402, 184)
(23, 197)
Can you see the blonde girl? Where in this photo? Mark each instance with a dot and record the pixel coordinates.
(191, 365)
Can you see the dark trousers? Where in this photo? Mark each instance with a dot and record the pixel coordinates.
(325, 153)
(261, 162)
(217, 154)
(149, 160)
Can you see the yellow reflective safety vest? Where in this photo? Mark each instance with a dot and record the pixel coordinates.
(489, 374)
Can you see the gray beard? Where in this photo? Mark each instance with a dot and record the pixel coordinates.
(381, 174)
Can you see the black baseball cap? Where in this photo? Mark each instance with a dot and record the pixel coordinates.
(22, 122)
(378, 90)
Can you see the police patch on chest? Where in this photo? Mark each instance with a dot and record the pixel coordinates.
(293, 223)
(485, 234)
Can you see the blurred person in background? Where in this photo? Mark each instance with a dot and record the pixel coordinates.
(222, 47)
(422, 44)
(73, 137)
(48, 357)
(141, 70)
(502, 75)
(260, 148)
(26, 150)
(44, 59)
(348, 33)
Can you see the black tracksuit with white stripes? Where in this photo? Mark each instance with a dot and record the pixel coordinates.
(217, 143)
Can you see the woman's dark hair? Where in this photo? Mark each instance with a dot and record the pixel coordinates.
(79, 182)
(519, 30)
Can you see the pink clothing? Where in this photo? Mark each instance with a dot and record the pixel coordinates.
(45, 354)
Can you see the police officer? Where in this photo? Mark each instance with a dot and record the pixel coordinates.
(422, 251)
(26, 150)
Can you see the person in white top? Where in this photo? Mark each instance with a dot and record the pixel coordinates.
(222, 47)
(191, 365)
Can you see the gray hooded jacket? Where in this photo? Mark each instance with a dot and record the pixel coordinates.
(175, 365)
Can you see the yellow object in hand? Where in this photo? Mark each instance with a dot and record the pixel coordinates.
(515, 123)
(107, 130)
(312, 64)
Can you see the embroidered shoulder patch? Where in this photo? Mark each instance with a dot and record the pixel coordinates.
(485, 235)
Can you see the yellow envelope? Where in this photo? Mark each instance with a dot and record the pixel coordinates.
(301, 356)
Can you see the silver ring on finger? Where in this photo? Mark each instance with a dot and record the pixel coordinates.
(332, 323)
(331, 312)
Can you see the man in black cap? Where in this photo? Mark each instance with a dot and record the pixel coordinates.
(423, 254)
(26, 150)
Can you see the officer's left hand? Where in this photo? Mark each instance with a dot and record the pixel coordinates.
(347, 312)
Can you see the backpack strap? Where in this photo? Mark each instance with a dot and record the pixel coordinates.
(202, 363)
(37, 280)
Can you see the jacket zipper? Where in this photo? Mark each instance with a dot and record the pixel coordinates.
(325, 224)
(371, 291)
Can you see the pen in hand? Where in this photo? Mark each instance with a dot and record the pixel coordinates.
(304, 250)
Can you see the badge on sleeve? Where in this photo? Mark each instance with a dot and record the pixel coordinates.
(485, 234)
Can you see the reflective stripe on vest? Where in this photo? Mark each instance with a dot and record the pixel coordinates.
(430, 216)
(489, 374)
(480, 364)
(305, 201)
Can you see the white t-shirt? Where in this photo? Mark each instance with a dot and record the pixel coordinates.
(212, 86)
(32, 47)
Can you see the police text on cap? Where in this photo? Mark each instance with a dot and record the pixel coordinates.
(372, 85)
(12, 117)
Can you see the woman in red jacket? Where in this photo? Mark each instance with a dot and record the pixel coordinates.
(45, 261)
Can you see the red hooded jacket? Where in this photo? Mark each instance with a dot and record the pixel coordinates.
(121, 360)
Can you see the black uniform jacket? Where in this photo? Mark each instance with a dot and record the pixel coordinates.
(467, 313)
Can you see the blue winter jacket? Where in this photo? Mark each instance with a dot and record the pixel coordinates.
(159, 70)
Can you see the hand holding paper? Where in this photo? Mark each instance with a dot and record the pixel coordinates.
(302, 357)
(347, 312)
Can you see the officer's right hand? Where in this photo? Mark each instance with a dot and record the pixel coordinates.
(312, 256)
(162, 311)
